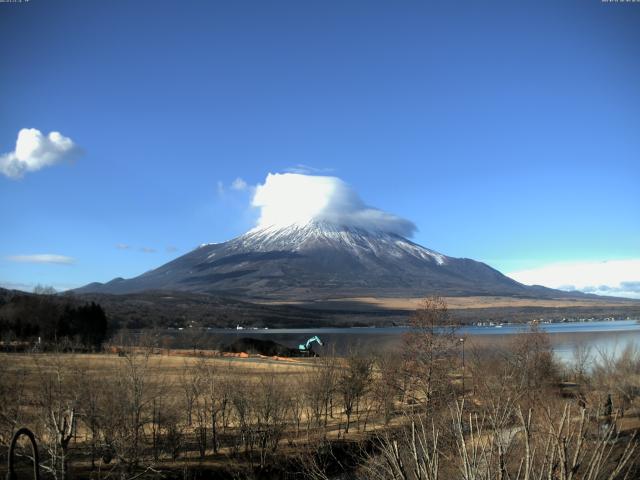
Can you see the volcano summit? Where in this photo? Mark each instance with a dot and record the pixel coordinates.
(317, 239)
(319, 259)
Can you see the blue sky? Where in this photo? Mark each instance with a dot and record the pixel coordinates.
(508, 132)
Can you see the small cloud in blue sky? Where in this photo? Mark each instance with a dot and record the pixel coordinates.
(35, 151)
(42, 258)
(125, 246)
(307, 169)
(220, 188)
(25, 287)
(30, 287)
(239, 184)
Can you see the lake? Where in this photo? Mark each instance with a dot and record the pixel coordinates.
(602, 337)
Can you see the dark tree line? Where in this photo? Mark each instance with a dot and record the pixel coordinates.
(52, 318)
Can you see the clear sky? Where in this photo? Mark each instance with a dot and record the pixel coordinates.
(507, 132)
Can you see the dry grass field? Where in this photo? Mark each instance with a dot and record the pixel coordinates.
(256, 405)
(163, 369)
(160, 413)
(489, 302)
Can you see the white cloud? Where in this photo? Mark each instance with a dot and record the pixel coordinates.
(291, 198)
(42, 258)
(122, 246)
(620, 278)
(307, 169)
(147, 250)
(35, 151)
(29, 287)
(239, 184)
(25, 287)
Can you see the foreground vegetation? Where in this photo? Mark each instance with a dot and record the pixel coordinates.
(425, 412)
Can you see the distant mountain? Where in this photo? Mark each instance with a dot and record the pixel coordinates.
(319, 260)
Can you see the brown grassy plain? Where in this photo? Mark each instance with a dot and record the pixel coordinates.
(453, 303)
(285, 412)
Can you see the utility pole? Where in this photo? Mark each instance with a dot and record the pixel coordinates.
(462, 343)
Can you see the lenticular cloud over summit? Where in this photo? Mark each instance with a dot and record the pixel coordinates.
(290, 198)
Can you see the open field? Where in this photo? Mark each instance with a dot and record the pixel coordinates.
(179, 395)
(381, 311)
(167, 367)
(411, 303)
(496, 302)
(152, 412)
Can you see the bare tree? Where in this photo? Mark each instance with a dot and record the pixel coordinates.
(618, 375)
(575, 446)
(532, 363)
(58, 404)
(297, 406)
(172, 430)
(564, 446)
(429, 348)
(40, 289)
(413, 453)
(189, 386)
(353, 382)
(389, 384)
(270, 413)
(320, 389)
(582, 362)
(242, 400)
(196, 382)
(90, 392)
(218, 388)
(13, 401)
(127, 409)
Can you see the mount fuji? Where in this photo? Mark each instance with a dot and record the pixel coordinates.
(320, 259)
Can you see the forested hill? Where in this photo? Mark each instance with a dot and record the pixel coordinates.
(51, 318)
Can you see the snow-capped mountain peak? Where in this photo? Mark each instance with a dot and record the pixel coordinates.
(319, 259)
(301, 236)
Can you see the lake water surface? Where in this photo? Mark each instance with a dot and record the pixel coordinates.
(610, 337)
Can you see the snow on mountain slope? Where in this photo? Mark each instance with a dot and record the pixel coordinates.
(359, 242)
(318, 259)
